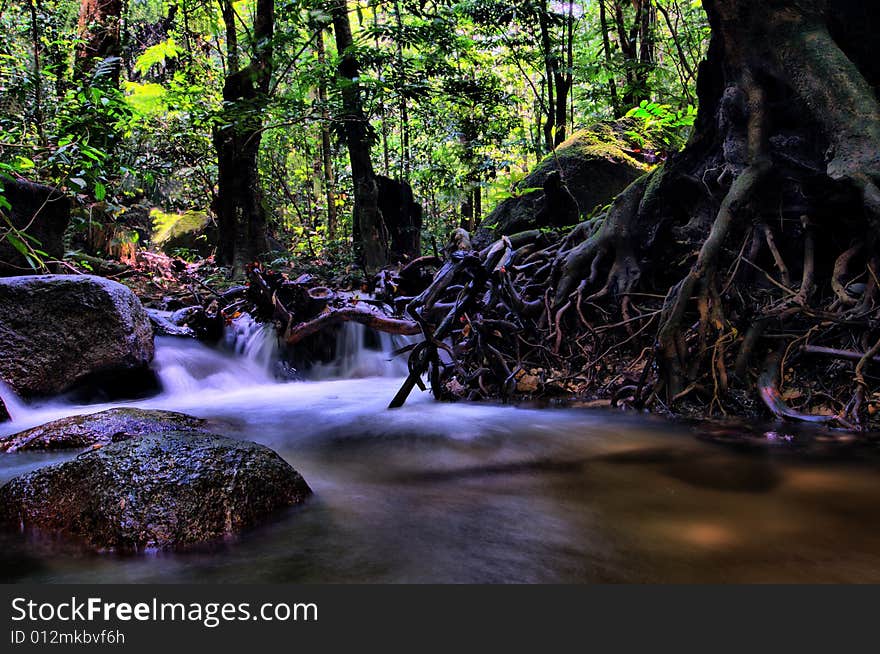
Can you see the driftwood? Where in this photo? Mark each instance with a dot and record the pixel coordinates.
(301, 311)
(364, 314)
(848, 355)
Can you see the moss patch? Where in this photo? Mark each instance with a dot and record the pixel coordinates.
(167, 226)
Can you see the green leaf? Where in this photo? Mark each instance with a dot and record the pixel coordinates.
(18, 244)
(100, 191)
(156, 54)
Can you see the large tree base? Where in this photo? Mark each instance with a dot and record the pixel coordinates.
(742, 270)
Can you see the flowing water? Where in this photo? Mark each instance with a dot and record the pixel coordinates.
(478, 492)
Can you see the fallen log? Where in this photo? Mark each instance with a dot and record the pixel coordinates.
(365, 315)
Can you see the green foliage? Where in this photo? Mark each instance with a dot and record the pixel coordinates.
(662, 124)
(156, 55)
(455, 93)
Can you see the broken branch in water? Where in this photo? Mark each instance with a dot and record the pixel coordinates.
(363, 314)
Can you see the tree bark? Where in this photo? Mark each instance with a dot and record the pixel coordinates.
(241, 215)
(606, 47)
(98, 29)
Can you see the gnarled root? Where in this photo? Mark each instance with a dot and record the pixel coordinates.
(614, 235)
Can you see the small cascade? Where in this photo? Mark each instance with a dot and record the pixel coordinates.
(14, 406)
(254, 341)
(246, 363)
(361, 352)
(248, 357)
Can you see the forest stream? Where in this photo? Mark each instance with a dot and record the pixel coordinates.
(474, 492)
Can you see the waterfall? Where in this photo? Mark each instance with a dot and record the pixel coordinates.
(14, 406)
(361, 352)
(192, 373)
(247, 357)
(252, 340)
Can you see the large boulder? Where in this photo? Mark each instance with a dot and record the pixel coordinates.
(42, 213)
(584, 172)
(58, 332)
(154, 492)
(99, 429)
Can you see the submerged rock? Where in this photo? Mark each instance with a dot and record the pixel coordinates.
(59, 332)
(157, 491)
(99, 429)
(163, 326)
(596, 164)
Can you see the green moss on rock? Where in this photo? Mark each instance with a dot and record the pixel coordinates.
(596, 164)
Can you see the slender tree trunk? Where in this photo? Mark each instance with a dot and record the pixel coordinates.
(685, 69)
(228, 13)
(563, 78)
(38, 72)
(647, 17)
(401, 99)
(369, 233)
(241, 215)
(478, 205)
(326, 146)
(606, 46)
(382, 109)
(549, 76)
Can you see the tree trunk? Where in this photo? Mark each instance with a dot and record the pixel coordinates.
(98, 29)
(606, 47)
(749, 232)
(550, 76)
(38, 73)
(241, 216)
(368, 228)
(326, 147)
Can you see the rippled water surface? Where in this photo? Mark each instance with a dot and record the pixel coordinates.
(479, 493)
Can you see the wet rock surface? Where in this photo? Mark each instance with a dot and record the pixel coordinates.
(62, 332)
(99, 429)
(162, 491)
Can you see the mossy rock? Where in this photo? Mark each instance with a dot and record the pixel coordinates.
(595, 163)
(163, 491)
(62, 333)
(188, 230)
